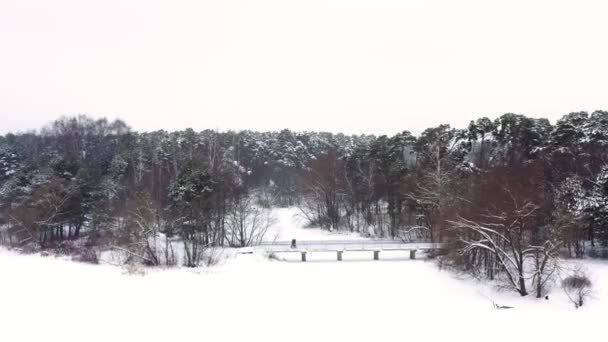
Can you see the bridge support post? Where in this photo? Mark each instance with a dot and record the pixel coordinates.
(303, 256)
(376, 255)
(340, 255)
(413, 254)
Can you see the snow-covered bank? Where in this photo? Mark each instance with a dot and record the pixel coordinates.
(252, 298)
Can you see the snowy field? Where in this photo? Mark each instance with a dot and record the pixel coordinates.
(288, 225)
(252, 298)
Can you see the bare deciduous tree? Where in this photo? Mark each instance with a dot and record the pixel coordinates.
(246, 223)
(325, 189)
(508, 238)
(40, 218)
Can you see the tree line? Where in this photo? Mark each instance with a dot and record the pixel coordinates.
(502, 193)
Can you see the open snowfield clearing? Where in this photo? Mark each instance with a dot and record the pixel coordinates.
(288, 225)
(250, 298)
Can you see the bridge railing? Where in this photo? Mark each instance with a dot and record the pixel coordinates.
(332, 245)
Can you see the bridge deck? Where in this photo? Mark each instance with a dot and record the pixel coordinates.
(340, 247)
(345, 245)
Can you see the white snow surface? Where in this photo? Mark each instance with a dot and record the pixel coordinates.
(289, 225)
(251, 298)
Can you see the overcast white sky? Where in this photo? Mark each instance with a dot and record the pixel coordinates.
(375, 66)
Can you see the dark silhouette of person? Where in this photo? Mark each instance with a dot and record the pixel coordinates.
(293, 243)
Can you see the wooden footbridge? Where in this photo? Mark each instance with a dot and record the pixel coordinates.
(341, 246)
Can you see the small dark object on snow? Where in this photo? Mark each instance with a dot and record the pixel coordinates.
(500, 307)
(293, 243)
(547, 297)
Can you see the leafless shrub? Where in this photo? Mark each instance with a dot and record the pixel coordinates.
(87, 255)
(577, 287)
(213, 256)
(134, 268)
(77, 250)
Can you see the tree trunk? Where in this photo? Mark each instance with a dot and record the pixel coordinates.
(522, 286)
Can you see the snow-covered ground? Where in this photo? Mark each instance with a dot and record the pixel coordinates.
(252, 298)
(289, 225)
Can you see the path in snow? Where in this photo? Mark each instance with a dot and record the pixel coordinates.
(290, 225)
